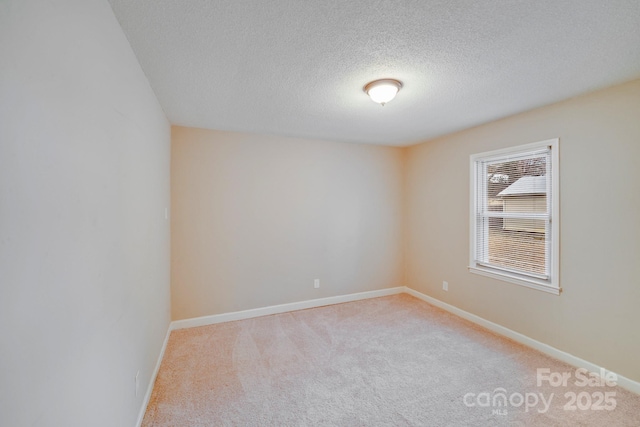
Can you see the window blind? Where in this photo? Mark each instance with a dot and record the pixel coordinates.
(513, 213)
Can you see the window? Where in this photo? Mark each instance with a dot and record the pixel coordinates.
(514, 215)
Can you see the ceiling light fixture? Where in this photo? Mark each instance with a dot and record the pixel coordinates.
(383, 90)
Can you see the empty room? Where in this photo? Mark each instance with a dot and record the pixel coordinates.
(319, 213)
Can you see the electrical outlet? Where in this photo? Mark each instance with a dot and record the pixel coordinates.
(316, 283)
(445, 286)
(137, 382)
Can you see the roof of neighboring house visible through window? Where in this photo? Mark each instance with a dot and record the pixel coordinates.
(526, 185)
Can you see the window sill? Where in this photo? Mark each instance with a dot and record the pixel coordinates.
(511, 278)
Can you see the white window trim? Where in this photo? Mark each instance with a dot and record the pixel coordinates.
(552, 284)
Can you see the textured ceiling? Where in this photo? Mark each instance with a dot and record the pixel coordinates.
(297, 67)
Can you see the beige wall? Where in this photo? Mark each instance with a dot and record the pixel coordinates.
(255, 219)
(597, 317)
(84, 245)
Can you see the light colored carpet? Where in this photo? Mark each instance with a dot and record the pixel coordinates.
(391, 361)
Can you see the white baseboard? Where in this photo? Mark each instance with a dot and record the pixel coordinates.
(282, 308)
(624, 382)
(152, 380)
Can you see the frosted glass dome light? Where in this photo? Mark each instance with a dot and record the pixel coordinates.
(382, 91)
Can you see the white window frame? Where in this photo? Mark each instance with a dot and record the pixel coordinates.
(551, 283)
